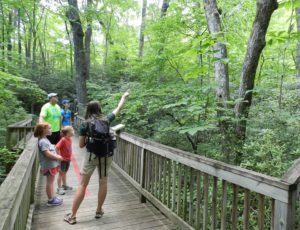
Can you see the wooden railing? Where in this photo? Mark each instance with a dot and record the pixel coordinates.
(201, 193)
(18, 134)
(18, 189)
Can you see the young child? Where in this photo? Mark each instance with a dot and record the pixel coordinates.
(64, 148)
(49, 160)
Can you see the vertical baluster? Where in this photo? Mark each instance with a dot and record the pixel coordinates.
(142, 173)
(159, 177)
(198, 206)
(246, 209)
(273, 214)
(131, 156)
(169, 182)
(126, 156)
(133, 161)
(136, 163)
(156, 175)
(214, 203)
(164, 179)
(185, 192)
(146, 170)
(152, 174)
(260, 215)
(174, 186)
(191, 202)
(224, 202)
(205, 201)
(234, 207)
(179, 190)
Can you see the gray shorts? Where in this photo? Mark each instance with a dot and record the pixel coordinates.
(88, 166)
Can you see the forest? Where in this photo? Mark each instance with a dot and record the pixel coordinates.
(216, 78)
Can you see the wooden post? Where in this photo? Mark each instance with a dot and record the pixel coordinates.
(8, 139)
(285, 213)
(143, 176)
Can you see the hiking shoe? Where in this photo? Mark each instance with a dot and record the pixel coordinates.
(69, 219)
(98, 215)
(55, 201)
(60, 191)
(66, 187)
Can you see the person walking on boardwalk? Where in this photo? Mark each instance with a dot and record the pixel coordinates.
(93, 114)
(49, 161)
(51, 113)
(66, 113)
(64, 148)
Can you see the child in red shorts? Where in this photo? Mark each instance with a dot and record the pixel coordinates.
(49, 160)
(64, 148)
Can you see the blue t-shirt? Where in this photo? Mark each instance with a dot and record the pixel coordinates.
(66, 114)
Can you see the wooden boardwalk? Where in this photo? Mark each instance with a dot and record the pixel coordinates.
(122, 207)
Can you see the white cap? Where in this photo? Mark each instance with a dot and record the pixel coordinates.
(50, 95)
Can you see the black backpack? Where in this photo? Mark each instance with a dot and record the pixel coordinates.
(100, 142)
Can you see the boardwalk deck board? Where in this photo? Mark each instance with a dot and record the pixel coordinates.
(122, 207)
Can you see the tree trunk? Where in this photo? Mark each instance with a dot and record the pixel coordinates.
(220, 54)
(221, 70)
(298, 43)
(2, 35)
(164, 8)
(143, 24)
(34, 37)
(256, 43)
(42, 54)
(71, 50)
(80, 52)
(9, 30)
(19, 38)
(28, 46)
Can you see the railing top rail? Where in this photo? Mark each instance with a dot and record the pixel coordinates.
(22, 123)
(260, 183)
(292, 176)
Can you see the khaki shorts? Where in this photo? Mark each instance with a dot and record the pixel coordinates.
(88, 166)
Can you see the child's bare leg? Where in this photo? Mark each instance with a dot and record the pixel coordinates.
(49, 186)
(59, 179)
(64, 178)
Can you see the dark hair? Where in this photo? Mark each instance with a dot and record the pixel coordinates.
(93, 109)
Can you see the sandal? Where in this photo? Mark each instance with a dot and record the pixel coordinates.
(69, 219)
(98, 215)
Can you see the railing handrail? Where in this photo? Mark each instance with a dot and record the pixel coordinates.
(22, 123)
(17, 190)
(216, 168)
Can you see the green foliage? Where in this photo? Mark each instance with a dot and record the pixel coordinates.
(16, 92)
(172, 88)
(7, 160)
(263, 151)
